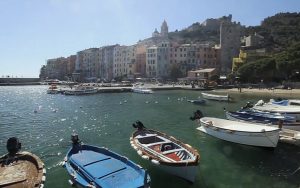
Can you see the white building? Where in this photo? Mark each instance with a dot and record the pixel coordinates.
(124, 61)
(157, 61)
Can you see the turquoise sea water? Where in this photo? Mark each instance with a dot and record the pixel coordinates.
(106, 120)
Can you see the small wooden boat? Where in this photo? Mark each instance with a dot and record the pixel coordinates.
(215, 97)
(91, 166)
(53, 89)
(197, 101)
(165, 152)
(21, 169)
(240, 132)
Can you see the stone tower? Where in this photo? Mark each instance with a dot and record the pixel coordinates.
(230, 43)
(164, 29)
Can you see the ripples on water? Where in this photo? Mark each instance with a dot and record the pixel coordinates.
(44, 124)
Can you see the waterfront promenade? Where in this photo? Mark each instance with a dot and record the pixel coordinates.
(265, 92)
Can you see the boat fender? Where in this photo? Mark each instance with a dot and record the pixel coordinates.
(155, 162)
(131, 142)
(71, 182)
(42, 186)
(91, 186)
(43, 178)
(140, 152)
(145, 157)
(263, 130)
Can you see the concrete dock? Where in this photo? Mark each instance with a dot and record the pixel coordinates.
(290, 137)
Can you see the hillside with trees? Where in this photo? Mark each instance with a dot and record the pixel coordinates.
(280, 31)
(281, 66)
(198, 33)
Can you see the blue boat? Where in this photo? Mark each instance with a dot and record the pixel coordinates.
(95, 167)
(260, 117)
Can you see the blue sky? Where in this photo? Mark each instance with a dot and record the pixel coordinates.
(32, 31)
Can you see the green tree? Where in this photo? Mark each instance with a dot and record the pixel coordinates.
(175, 72)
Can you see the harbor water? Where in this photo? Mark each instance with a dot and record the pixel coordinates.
(44, 123)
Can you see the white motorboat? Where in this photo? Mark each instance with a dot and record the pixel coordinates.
(166, 152)
(292, 102)
(53, 89)
(240, 132)
(142, 90)
(266, 118)
(290, 110)
(215, 97)
(81, 90)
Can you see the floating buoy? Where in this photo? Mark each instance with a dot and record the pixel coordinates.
(71, 182)
(140, 152)
(155, 162)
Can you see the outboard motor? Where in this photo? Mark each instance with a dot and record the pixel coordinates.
(13, 146)
(138, 125)
(197, 115)
(75, 139)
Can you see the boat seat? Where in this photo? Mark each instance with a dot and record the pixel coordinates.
(82, 159)
(157, 143)
(173, 150)
(92, 162)
(11, 182)
(148, 135)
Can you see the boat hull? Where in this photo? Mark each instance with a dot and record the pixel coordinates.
(186, 172)
(142, 91)
(215, 97)
(262, 139)
(69, 92)
(52, 91)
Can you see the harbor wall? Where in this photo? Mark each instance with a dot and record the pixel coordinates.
(19, 81)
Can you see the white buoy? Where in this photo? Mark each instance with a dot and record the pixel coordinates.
(140, 152)
(155, 162)
(145, 157)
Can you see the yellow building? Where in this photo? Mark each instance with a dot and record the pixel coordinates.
(247, 55)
